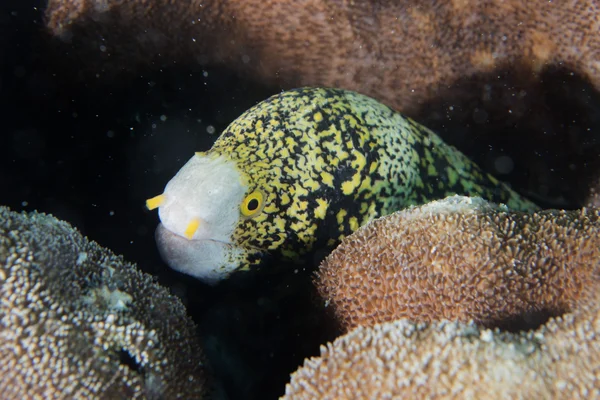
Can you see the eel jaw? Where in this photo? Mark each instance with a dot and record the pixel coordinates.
(207, 260)
(199, 212)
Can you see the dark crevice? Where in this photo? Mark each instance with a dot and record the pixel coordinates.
(127, 360)
(526, 321)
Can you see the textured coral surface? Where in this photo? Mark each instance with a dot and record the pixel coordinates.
(76, 321)
(402, 52)
(497, 275)
(450, 360)
(464, 259)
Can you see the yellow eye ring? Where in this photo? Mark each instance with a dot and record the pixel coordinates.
(253, 204)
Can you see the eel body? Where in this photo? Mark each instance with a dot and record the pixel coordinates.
(299, 172)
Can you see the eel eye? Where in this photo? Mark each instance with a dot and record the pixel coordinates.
(253, 204)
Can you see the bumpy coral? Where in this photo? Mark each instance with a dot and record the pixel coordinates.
(401, 52)
(457, 361)
(461, 259)
(76, 321)
(464, 259)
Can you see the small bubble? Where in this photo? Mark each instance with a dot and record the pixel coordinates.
(205, 74)
(102, 48)
(110, 134)
(111, 213)
(163, 118)
(210, 129)
(25, 203)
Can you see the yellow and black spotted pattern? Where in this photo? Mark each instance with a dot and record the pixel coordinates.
(319, 163)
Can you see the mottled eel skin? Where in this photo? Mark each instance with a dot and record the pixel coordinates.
(302, 170)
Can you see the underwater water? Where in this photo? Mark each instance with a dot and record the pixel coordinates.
(91, 152)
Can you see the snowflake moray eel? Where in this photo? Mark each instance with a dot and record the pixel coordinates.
(300, 171)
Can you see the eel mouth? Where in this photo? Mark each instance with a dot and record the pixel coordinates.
(205, 259)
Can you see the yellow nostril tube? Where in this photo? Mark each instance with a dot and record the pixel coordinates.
(191, 228)
(155, 202)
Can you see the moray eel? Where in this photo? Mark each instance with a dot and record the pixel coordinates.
(300, 171)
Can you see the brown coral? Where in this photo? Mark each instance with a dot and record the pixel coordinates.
(76, 321)
(464, 259)
(457, 361)
(401, 52)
